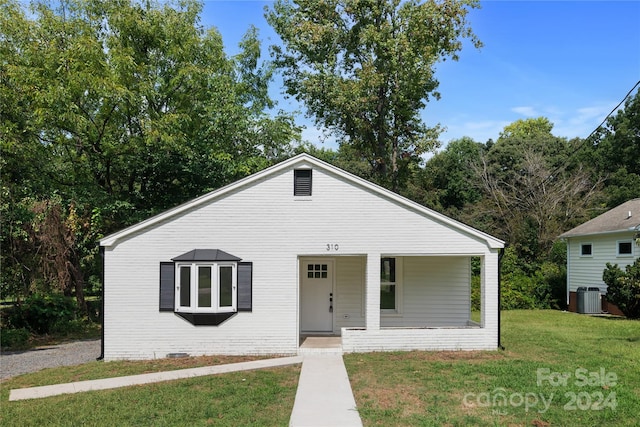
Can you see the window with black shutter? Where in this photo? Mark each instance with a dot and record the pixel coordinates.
(206, 286)
(302, 182)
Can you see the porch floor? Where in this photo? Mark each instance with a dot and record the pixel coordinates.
(320, 345)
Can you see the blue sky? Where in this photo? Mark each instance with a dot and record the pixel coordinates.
(569, 61)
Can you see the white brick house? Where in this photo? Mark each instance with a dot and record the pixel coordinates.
(300, 248)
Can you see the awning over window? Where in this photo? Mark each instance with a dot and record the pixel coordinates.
(206, 255)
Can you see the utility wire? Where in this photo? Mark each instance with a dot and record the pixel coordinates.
(592, 133)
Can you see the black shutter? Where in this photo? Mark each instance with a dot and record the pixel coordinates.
(167, 286)
(302, 182)
(245, 283)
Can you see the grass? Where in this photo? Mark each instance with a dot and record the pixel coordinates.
(391, 389)
(262, 397)
(470, 388)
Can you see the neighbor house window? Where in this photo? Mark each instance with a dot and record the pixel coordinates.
(302, 182)
(389, 285)
(625, 248)
(206, 287)
(586, 249)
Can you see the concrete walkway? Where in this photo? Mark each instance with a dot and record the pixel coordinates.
(108, 383)
(324, 396)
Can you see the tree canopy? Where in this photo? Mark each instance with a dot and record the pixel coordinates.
(120, 109)
(366, 69)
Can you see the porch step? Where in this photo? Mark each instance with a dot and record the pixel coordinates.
(320, 345)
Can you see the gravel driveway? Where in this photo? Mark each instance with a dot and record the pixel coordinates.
(14, 363)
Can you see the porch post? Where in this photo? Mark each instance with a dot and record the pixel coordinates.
(372, 292)
(489, 292)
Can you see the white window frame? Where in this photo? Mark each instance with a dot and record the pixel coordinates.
(583, 255)
(215, 288)
(397, 311)
(622, 255)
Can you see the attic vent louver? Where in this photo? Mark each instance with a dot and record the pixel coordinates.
(302, 182)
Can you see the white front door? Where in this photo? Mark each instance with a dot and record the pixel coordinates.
(316, 296)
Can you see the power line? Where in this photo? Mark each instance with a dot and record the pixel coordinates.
(612, 111)
(553, 174)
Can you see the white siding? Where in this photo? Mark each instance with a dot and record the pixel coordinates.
(587, 270)
(264, 223)
(349, 296)
(435, 292)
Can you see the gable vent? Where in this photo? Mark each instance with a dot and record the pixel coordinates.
(302, 182)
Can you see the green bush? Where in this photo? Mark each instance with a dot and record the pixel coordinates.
(14, 338)
(530, 286)
(623, 288)
(475, 293)
(39, 314)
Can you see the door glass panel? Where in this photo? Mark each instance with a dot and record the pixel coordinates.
(185, 286)
(317, 271)
(204, 286)
(226, 286)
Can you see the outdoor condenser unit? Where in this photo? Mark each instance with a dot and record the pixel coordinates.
(589, 300)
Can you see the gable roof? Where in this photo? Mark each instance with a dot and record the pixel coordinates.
(301, 160)
(625, 217)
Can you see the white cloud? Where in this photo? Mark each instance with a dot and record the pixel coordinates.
(582, 121)
(526, 111)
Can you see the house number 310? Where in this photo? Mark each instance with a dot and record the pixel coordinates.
(332, 247)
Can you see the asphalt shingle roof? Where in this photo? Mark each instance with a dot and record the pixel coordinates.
(206, 255)
(625, 217)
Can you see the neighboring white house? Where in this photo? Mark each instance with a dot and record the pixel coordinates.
(300, 248)
(608, 238)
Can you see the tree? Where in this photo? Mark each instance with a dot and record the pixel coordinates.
(623, 288)
(533, 189)
(615, 152)
(447, 180)
(366, 69)
(119, 109)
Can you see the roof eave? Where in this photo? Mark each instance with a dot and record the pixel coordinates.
(600, 233)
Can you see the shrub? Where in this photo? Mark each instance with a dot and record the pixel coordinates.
(623, 288)
(39, 314)
(14, 338)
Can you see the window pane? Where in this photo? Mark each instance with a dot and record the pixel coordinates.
(586, 249)
(624, 248)
(388, 297)
(226, 286)
(185, 286)
(204, 286)
(388, 270)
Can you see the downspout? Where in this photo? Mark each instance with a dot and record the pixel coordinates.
(500, 255)
(101, 357)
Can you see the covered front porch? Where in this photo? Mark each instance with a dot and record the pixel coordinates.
(386, 302)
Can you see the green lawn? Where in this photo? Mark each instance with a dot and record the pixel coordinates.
(601, 357)
(259, 398)
(401, 389)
